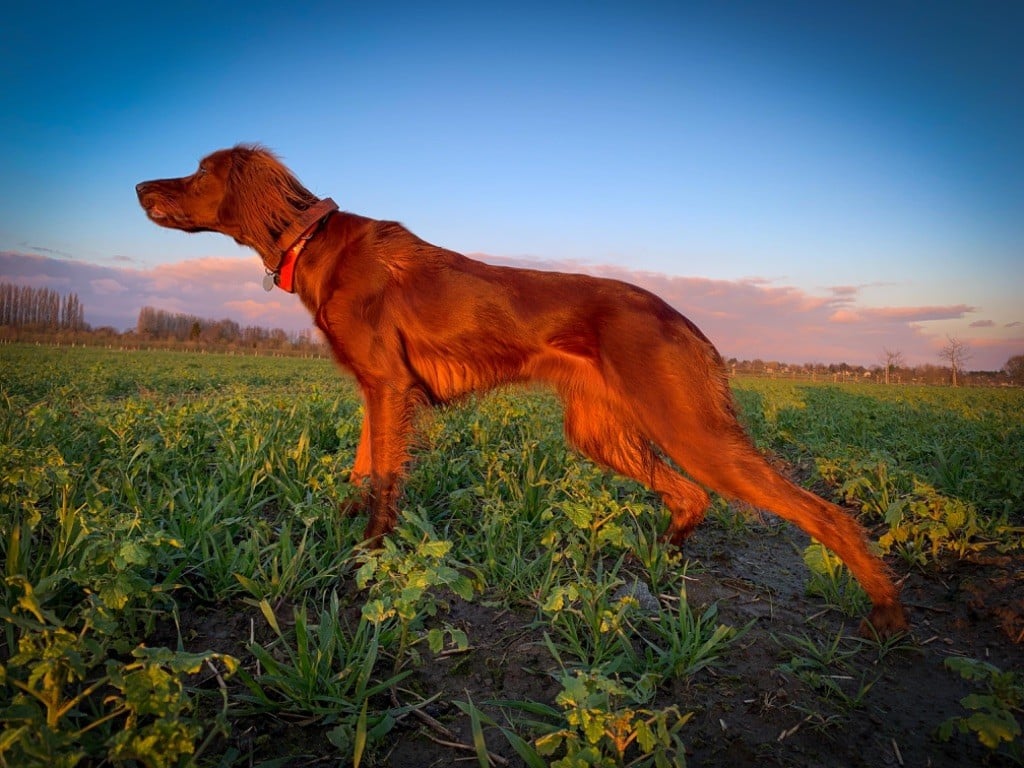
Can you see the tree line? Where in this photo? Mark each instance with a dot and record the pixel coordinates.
(888, 371)
(22, 306)
(42, 315)
(160, 325)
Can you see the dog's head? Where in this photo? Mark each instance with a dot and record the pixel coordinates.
(244, 192)
(190, 203)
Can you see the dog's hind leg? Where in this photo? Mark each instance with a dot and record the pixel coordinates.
(721, 457)
(595, 429)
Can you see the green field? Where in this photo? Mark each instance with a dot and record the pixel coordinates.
(180, 589)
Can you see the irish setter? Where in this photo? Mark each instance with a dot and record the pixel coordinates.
(420, 325)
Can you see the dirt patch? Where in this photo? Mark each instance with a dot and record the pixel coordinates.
(754, 707)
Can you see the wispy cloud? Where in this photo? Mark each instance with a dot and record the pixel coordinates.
(107, 286)
(749, 318)
(52, 251)
(904, 314)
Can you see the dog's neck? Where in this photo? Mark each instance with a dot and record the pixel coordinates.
(290, 243)
(301, 226)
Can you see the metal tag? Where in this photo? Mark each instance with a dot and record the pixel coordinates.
(269, 281)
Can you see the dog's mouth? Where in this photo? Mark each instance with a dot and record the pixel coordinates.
(160, 213)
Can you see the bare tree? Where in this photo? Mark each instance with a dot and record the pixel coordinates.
(893, 359)
(956, 353)
(1015, 369)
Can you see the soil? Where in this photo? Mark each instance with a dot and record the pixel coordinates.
(748, 709)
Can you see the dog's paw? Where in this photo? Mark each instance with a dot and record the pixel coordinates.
(884, 621)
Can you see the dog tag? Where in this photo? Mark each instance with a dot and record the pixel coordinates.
(269, 282)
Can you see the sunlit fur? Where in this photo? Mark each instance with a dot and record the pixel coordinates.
(417, 325)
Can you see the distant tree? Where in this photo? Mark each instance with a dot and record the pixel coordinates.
(893, 359)
(40, 309)
(1015, 369)
(956, 353)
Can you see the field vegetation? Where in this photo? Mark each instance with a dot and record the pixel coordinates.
(179, 587)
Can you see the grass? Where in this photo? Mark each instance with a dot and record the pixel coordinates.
(139, 487)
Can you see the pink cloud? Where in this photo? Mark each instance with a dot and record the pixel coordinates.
(982, 324)
(756, 318)
(107, 286)
(916, 314)
(747, 319)
(844, 316)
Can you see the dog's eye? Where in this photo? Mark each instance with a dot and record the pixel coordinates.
(201, 171)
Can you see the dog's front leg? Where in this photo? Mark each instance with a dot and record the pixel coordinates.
(389, 419)
(359, 476)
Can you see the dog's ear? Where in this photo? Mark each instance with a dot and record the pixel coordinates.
(242, 212)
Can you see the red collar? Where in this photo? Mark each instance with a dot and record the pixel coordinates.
(294, 240)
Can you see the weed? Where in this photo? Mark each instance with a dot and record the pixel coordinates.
(827, 668)
(993, 711)
(832, 580)
(596, 723)
(323, 670)
(400, 576)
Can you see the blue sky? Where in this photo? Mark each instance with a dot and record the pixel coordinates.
(839, 178)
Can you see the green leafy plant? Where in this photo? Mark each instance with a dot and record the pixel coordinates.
(602, 727)
(402, 579)
(832, 580)
(994, 710)
(63, 710)
(923, 527)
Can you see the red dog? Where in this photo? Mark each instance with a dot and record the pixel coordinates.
(418, 325)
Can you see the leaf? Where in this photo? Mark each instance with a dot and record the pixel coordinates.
(970, 669)
(366, 572)
(994, 727)
(133, 553)
(645, 737)
(816, 558)
(459, 638)
(435, 640)
(523, 748)
(375, 612)
(463, 587)
(360, 737)
(29, 603)
(268, 614)
(435, 549)
(555, 601)
(578, 515)
(479, 744)
(549, 743)
(249, 585)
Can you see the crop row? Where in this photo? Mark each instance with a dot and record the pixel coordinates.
(139, 490)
